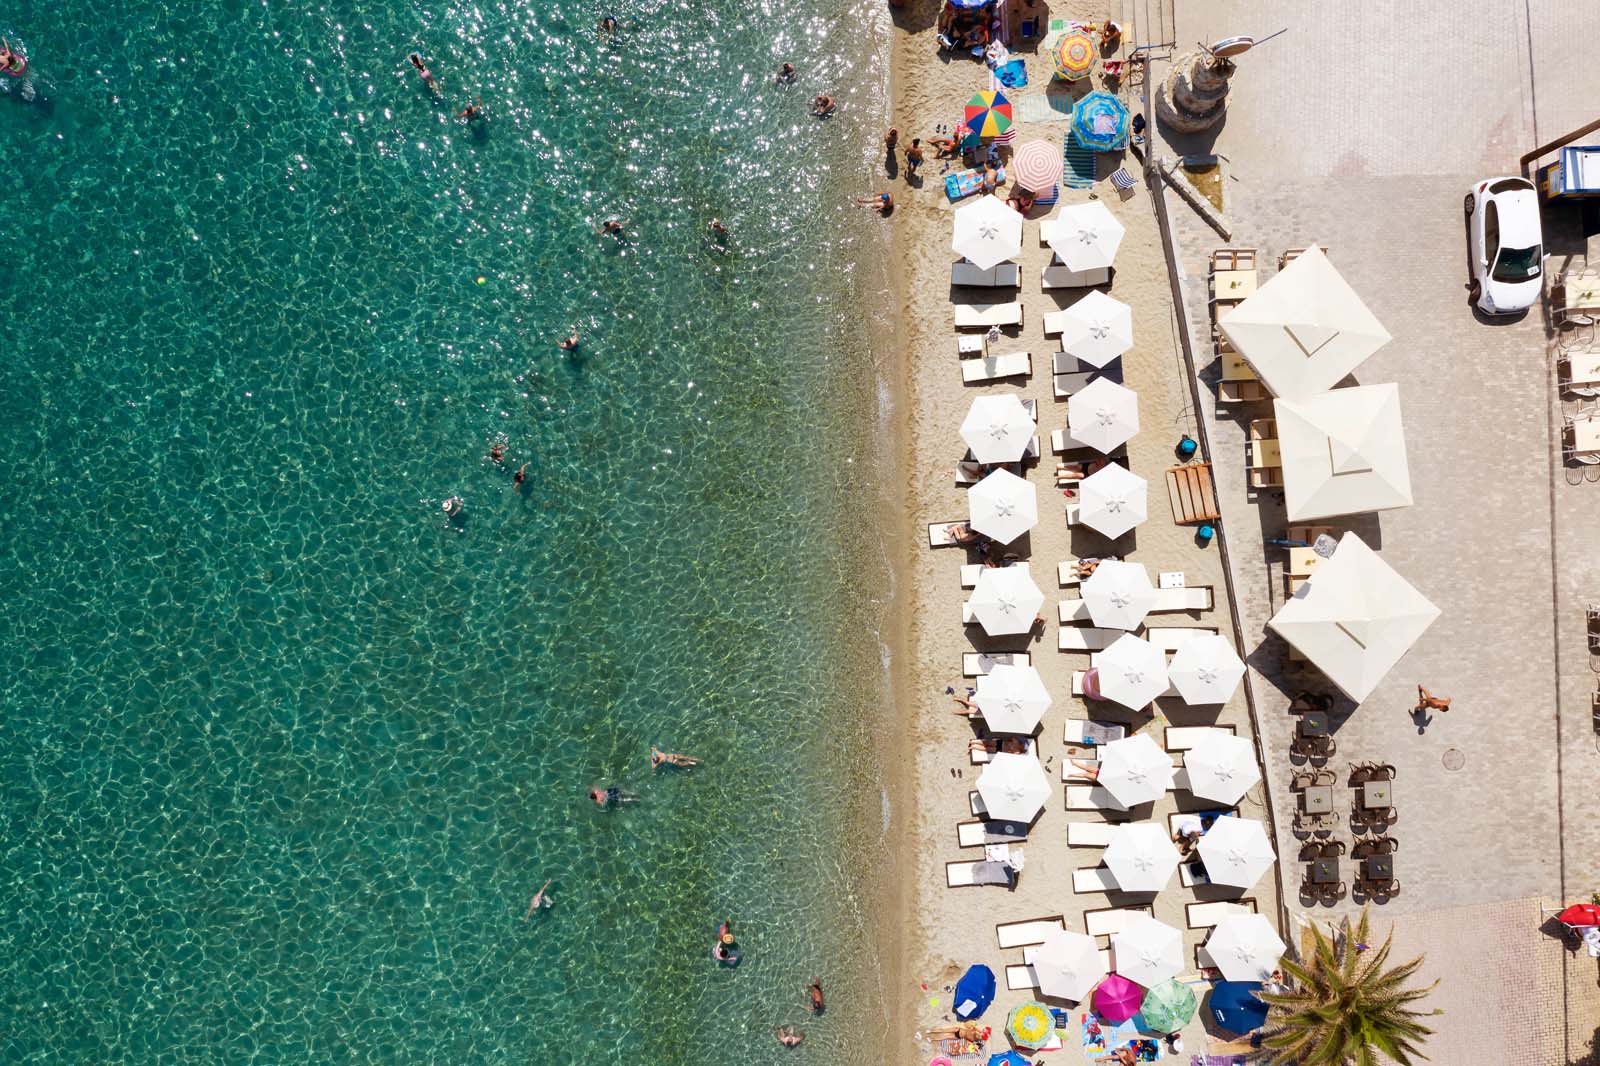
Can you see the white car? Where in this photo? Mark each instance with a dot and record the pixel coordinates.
(1505, 244)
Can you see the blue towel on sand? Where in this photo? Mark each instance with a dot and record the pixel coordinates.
(966, 182)
(1013, 75)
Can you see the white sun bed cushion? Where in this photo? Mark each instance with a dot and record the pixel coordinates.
(982, 316)
(994, 367)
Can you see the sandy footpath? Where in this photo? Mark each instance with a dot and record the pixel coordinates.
(945, 929)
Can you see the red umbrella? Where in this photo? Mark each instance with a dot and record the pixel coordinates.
(1580, 914)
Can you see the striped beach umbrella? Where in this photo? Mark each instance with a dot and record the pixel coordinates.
(1100, 122)
(988, 114)
(1030, 1024)
(1036, 165)
(1074, 55)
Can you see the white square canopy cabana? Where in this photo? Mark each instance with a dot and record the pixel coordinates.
(1354, 618)
(1305, 329)
(1344, 452)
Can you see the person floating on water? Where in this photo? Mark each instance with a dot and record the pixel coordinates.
(725, 950)
(608, 798)
(789, 1036)
(427, 78)
(497, 452)
(659, 758)
(13, 63)
(539, 900)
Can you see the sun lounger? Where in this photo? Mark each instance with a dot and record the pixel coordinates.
(1067, 363)
(1020, 977)
(1184, 737)
(1072, 773)
(979, 872)
(1170, 638)
(1077, 684)
(982, 316)
(1206, 817)
(1092, 798)
(1030, 955)
(975, 805)
(1094, 879)
(1189, 598)
(1068, 382)
(978, 663)
(1054, 322)
(939, 535)
(1066, 570)
(1022, 934)
(970, 344)
(1193, 873)
(1057, 276)
(982, 756)
(1003, 275)
(1077, 733)
(1108, 920)
(995, 367)
(1089, 834)
(982, 834)
(1085, 638)
(1206, 915)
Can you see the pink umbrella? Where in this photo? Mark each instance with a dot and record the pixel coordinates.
(1116, 999)
(1036, 165)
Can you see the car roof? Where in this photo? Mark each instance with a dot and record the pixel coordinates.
(1519, 217)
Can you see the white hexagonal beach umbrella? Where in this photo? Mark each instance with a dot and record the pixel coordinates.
(1006, 600)
(1236, 851)
(1245, 947)
(1221, 767)
(1141, 857)
(1132, 672)
(987, 232)
(1103, 414)
(1097, 329)
(998, 429)
(1014, 788)
(1146, 951)
(1206, 670)
(1134, 769)
(1012, 698)
(1086, 236)
(1067, 965)
(1003, 506)
(1113, 500)
(1118, 594)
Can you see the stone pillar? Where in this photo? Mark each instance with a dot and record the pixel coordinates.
(1195, 94)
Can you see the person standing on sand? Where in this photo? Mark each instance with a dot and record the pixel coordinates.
(914, 157)
(891, 141)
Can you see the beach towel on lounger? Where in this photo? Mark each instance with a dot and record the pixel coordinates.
(966, 182)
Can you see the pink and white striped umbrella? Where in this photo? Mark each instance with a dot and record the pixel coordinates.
(1036, 165)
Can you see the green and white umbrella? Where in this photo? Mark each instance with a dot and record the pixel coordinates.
(1168, 1007)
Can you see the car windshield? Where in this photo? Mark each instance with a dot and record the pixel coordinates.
(1517, 264)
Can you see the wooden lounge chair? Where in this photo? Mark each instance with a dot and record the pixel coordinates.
(995, 367)
(1094, 879)
(1184, 737)
(1207, 915)
(1241, 392)
(982, 834)
(979, 872)
(1233, 259)
(1192, 494)
(978, 663)
(1266, 466)
(1021, 934)
(1054, 322)
(984, 316)
(1295, 253)
(1089, 834)
(1108, 920)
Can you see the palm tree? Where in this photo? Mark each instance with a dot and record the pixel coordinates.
(1343, 1008)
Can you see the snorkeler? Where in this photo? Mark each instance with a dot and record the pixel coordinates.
(427, 78)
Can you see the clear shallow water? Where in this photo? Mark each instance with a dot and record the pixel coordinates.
(282, 756)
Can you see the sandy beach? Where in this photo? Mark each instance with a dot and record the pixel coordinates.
(948, 929)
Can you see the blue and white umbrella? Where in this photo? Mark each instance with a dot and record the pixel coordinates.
(1100, 122)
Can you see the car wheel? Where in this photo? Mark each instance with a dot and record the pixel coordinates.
(1467, 205)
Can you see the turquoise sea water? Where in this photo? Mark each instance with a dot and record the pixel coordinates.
(284, 754)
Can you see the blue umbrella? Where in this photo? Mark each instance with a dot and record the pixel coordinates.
(1236, 1008)
(974, 992)
(1100, 122)
(969, 5)
(1010, 1058)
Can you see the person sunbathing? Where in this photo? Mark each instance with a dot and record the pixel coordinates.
(944, 147)
(991, 179)
(1020, 201)
(1091, 770)
(968, 1031)
(1427, 701)
(1084, 567)
(998, 745)
(969, 707)
(963, 533)
(883, 202)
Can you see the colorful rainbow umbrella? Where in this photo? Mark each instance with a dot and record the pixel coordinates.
(1116, 999)
(1036, 165)
(1074, 55)
(1100, 122)
(988, 114)
(1030, 1024)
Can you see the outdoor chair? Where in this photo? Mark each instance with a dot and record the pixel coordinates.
(1375, 846)
(1386, 771)
(1302, 780)
(1360, 773)
(1331, 894)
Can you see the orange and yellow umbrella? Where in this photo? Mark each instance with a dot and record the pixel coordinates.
(1074, 55)
(988, 114)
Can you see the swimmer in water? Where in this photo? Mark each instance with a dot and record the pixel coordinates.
(474, 111)
(453, 507)
(605, 798)
(427, 78)
(659, 758)
(608, 26)
(716, 227)
(13, 63)
(570, 344)
(785, 74)
(789, 1036)
(612, 226)
(539, 900)
(497, 451)
(520, 476)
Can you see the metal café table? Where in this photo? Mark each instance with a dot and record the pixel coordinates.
(1375, 794)
(1325, 872)
(1379, 867)
(1318, 799)
(1314, 724)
